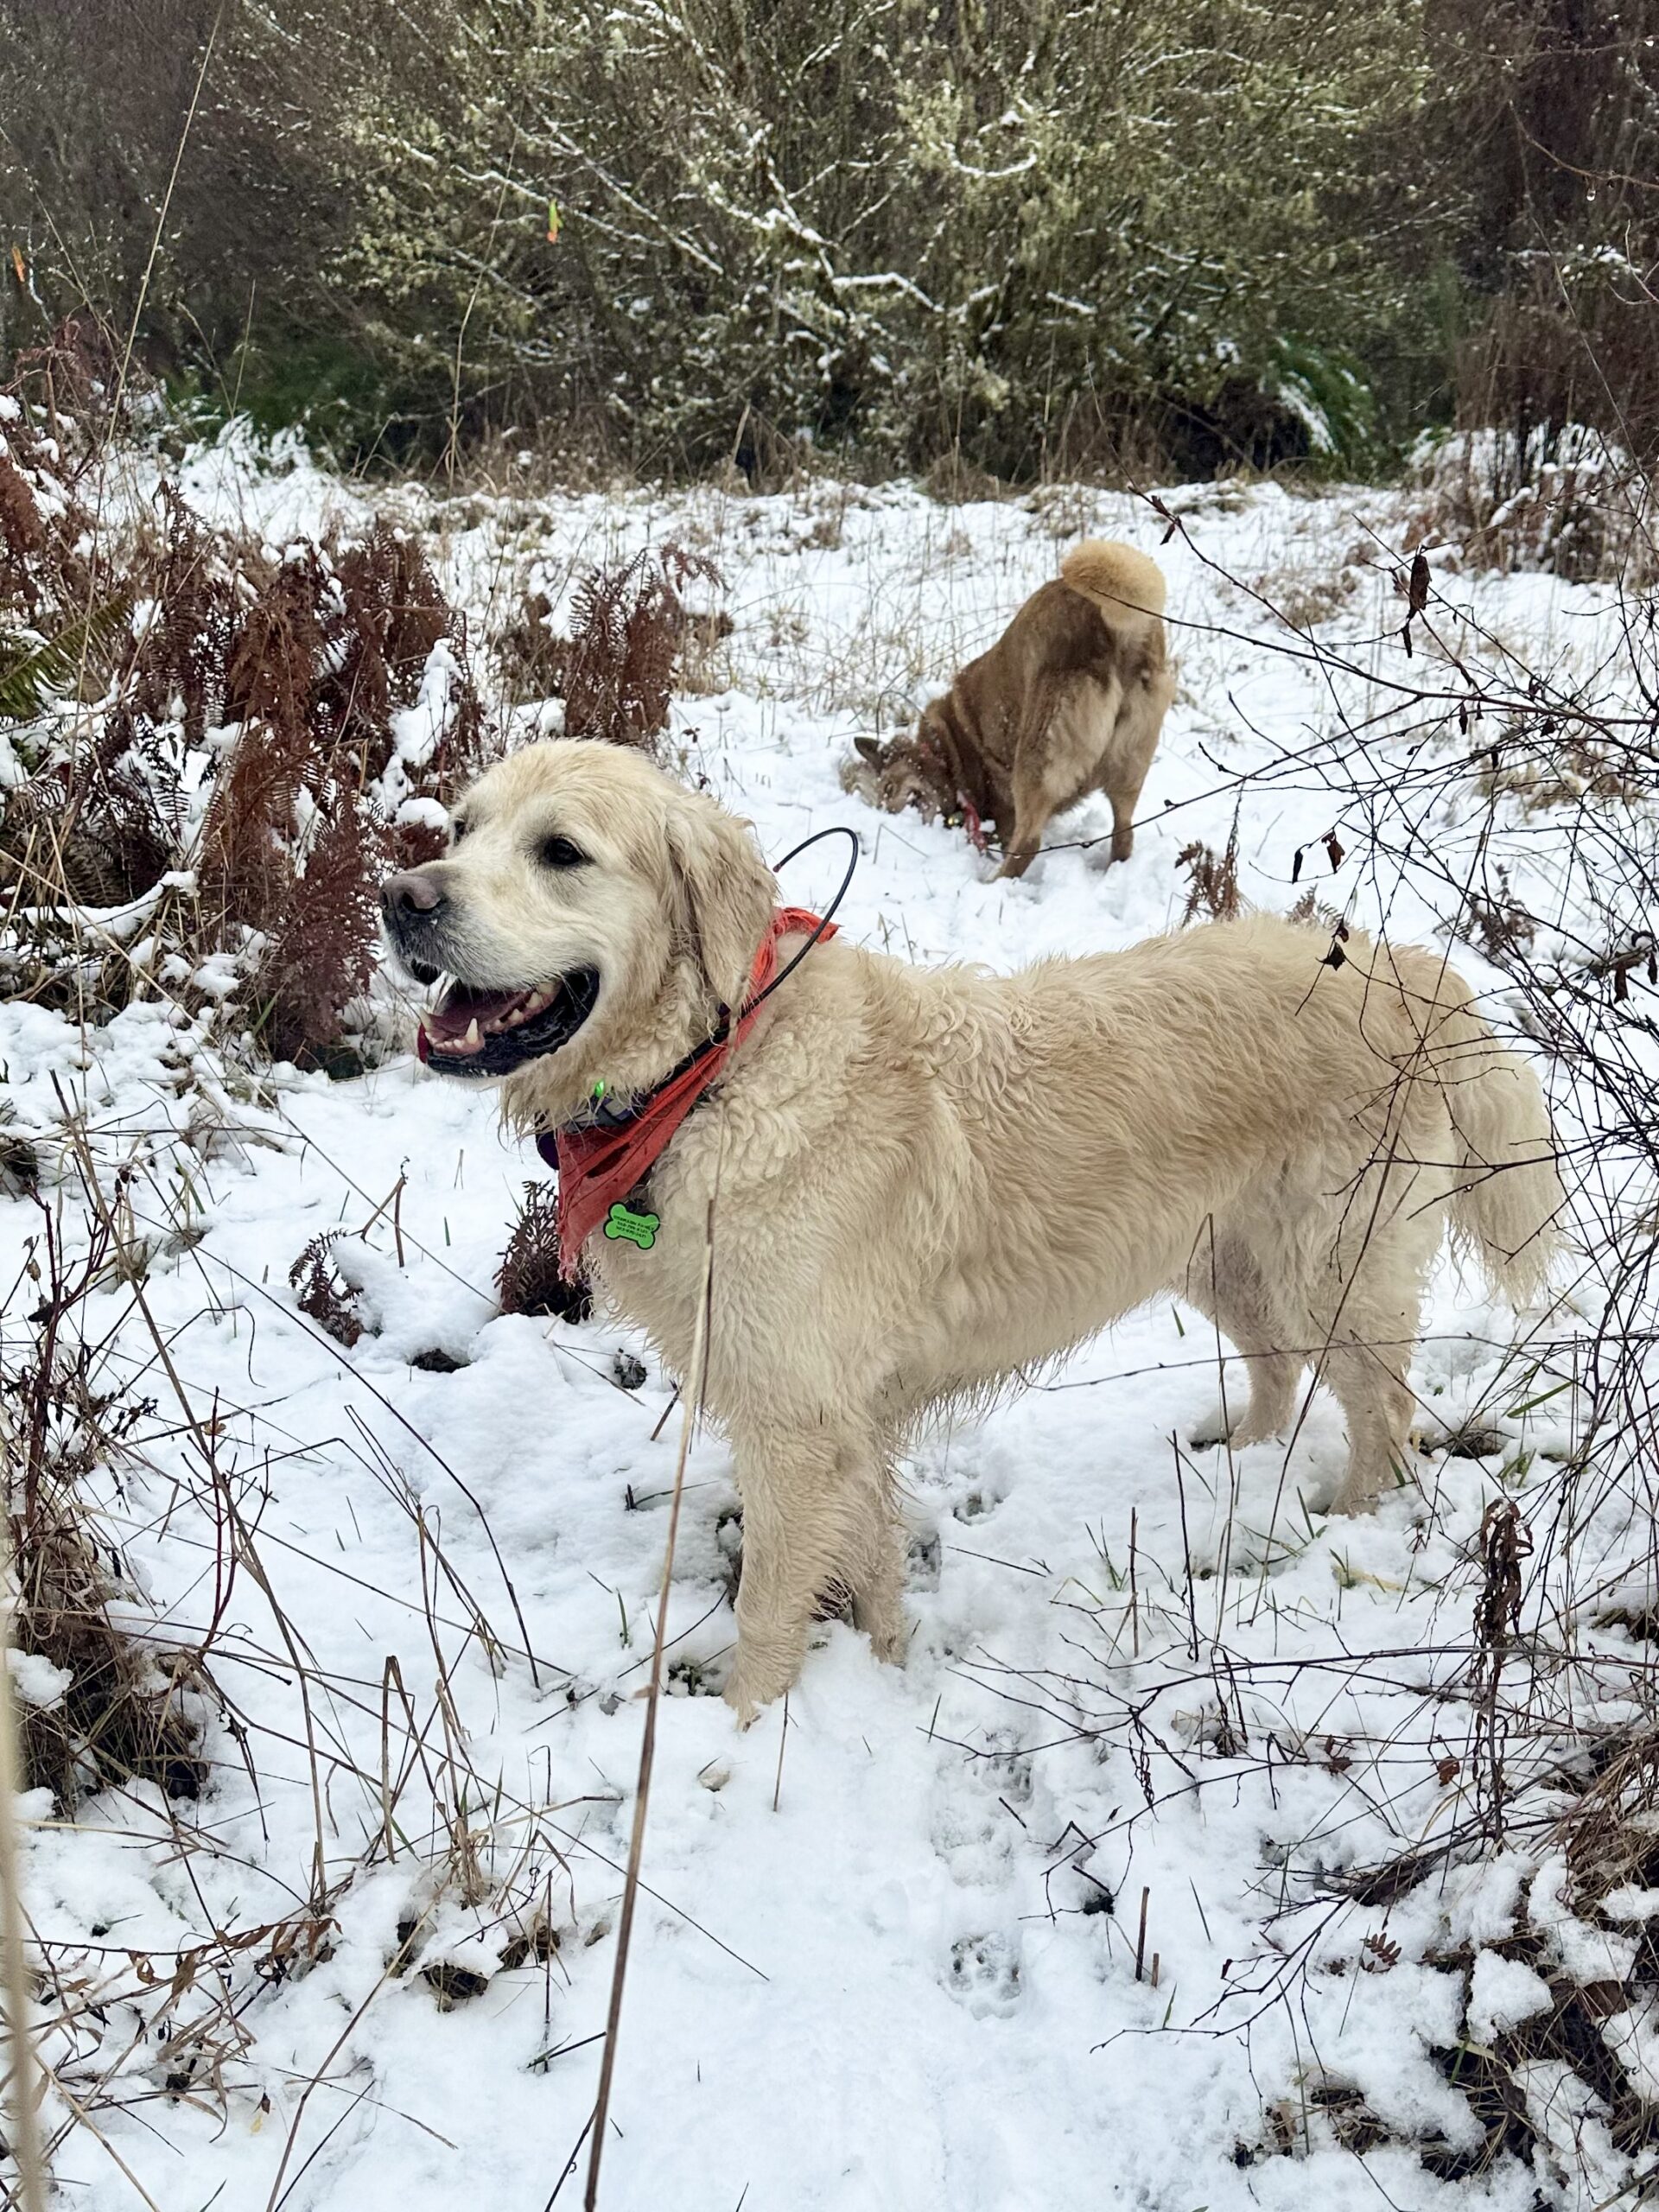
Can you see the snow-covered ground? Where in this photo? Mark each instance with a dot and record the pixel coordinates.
(888, 1954)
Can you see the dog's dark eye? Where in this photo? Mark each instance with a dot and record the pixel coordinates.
(559, 852)
(457, 831)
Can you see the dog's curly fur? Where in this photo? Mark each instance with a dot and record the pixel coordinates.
(1068, 700)
(924, 1181)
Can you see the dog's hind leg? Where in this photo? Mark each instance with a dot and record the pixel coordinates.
(1128, 754)
(1067, 726)
(1227, 1282)
(1368, 1375)
(1367, 1325)
(1032, 810)
(1123, 806)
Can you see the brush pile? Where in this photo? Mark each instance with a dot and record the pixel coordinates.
(1572, 504)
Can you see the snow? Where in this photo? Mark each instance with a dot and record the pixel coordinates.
(417, 731)
(1587, 1954)
(1503, 1994)
(36, 1680)
(888, 1956)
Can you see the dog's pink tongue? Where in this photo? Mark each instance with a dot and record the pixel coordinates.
(450, 1021)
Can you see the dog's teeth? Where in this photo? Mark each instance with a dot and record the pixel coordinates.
(472, 1042)
(534, 1004)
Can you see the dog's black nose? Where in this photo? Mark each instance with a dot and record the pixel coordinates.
(413, 892)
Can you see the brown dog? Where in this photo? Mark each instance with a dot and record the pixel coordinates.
(1068, 700)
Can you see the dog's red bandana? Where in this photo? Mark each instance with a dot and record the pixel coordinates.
(600, 1162)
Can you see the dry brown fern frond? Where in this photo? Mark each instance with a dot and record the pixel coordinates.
(531, 657)
(627, 624)
(394, 615)
(323, 1294)
(528, 1280)
(1213, 880)
(45, 531)
(181, 660)
(320, 951)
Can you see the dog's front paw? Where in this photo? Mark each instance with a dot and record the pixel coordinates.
(883, 1621)
(758, 1679)
(745, 1711)
(1211, 1427)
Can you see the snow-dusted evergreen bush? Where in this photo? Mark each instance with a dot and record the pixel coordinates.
(1020, 231)
(1026, 236)
(1017, 227)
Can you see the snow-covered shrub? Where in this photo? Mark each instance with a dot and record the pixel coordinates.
(212, 748)
(1573, 504)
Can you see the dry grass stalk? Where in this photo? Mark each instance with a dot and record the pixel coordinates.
(23, 2065)
(648, 1739)
(121, 1710)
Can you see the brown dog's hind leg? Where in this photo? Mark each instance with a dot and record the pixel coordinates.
(1123, 783)
(1129, 755)
(1123, 804)
(1032, 810)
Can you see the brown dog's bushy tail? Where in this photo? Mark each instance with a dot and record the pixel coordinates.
(1126, 585)
(1509, 1204)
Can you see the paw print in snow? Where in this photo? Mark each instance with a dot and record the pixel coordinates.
(985, 1973)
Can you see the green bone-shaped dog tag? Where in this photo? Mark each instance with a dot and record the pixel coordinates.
(638, 1229)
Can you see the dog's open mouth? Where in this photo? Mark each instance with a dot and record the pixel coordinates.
(470, 1032)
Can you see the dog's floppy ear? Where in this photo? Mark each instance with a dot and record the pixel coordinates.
(725, 893)
(869, 749)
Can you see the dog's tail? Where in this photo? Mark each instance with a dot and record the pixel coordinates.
(1507, 1202)
(1126, 585)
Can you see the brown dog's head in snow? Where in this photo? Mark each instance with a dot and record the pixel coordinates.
(911, 770)
(589, 920)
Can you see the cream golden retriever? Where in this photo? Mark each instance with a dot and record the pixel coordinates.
(1069, 700)
(924, 1181)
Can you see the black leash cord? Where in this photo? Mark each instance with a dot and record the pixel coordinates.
(608, 1117)
(837, 829)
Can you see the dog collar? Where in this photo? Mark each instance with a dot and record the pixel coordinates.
(603, 1160)
(947, 771)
